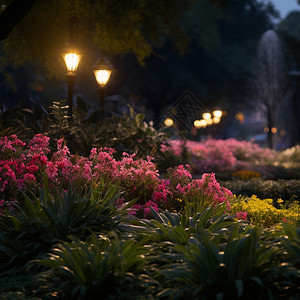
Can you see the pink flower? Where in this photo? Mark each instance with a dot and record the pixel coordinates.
(52, 171)
(147, 209)
(29, 178)
(242, 215)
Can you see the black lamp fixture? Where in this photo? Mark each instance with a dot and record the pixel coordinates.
(72, 58)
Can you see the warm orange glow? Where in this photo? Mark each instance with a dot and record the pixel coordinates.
(203, 123)
(240, 117)
(274, 130)
(168, 122)
(266, 129)
(217, 113)
(209, 121)
(216, 120)
(197, 124)
(282, 132)
(206, 116)
(72, 61)
(102, 76)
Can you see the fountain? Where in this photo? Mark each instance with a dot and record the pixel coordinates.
(270, 78)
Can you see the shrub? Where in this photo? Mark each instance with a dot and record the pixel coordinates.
(239, 268)
(112, 268)
(221, 155)
(246, 174)
(205, 191)
(263, 212)
(279, 189)
(56, 214)
(138, 178)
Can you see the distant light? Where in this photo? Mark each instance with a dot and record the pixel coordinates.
(216, 120)
(197, 124)
(266, 129)
(274, 130)
(217, 113)
(203, 123)
(240, 117)
(206, 116)
(168, 122)
(282, 132)
(209, 121)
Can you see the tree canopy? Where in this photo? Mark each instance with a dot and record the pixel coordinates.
(218, 63)
(40, 29)
(216, 39)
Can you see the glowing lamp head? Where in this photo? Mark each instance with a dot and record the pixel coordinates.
(102, 76)
(217, 113)
(102, 71)
(206, 116)
(72, 60)
(168, 122)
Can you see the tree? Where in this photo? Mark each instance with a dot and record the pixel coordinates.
(39, 29)
(12, 13)
(289, 31)
(218, 62)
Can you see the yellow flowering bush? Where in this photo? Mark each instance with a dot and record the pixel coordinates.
(263, 212)
(246, 174)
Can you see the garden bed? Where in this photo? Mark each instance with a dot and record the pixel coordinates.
(76, 227)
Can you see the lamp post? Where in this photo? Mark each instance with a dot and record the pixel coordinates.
(102, 71)
(72, 60)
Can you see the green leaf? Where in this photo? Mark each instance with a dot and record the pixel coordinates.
(239, 287)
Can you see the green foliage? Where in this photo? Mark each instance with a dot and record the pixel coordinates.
(212, 219)
(284, 189)
(33, 230)
(241, 268)
(83, 270)
(291, 243)
(17, 287)
(60, 124)
(14, 120)
(112, 26)
(167, 230)
(289, 31)
(130, 133)
(267, 212)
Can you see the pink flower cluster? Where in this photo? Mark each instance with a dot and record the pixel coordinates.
(221, 155)
(241, 215)
(19, 171)
(206, 190)
(23, 169)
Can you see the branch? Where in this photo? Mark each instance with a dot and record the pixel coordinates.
(12, 15)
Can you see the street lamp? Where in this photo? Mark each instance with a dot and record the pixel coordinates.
(72, 60)
(102, 71)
